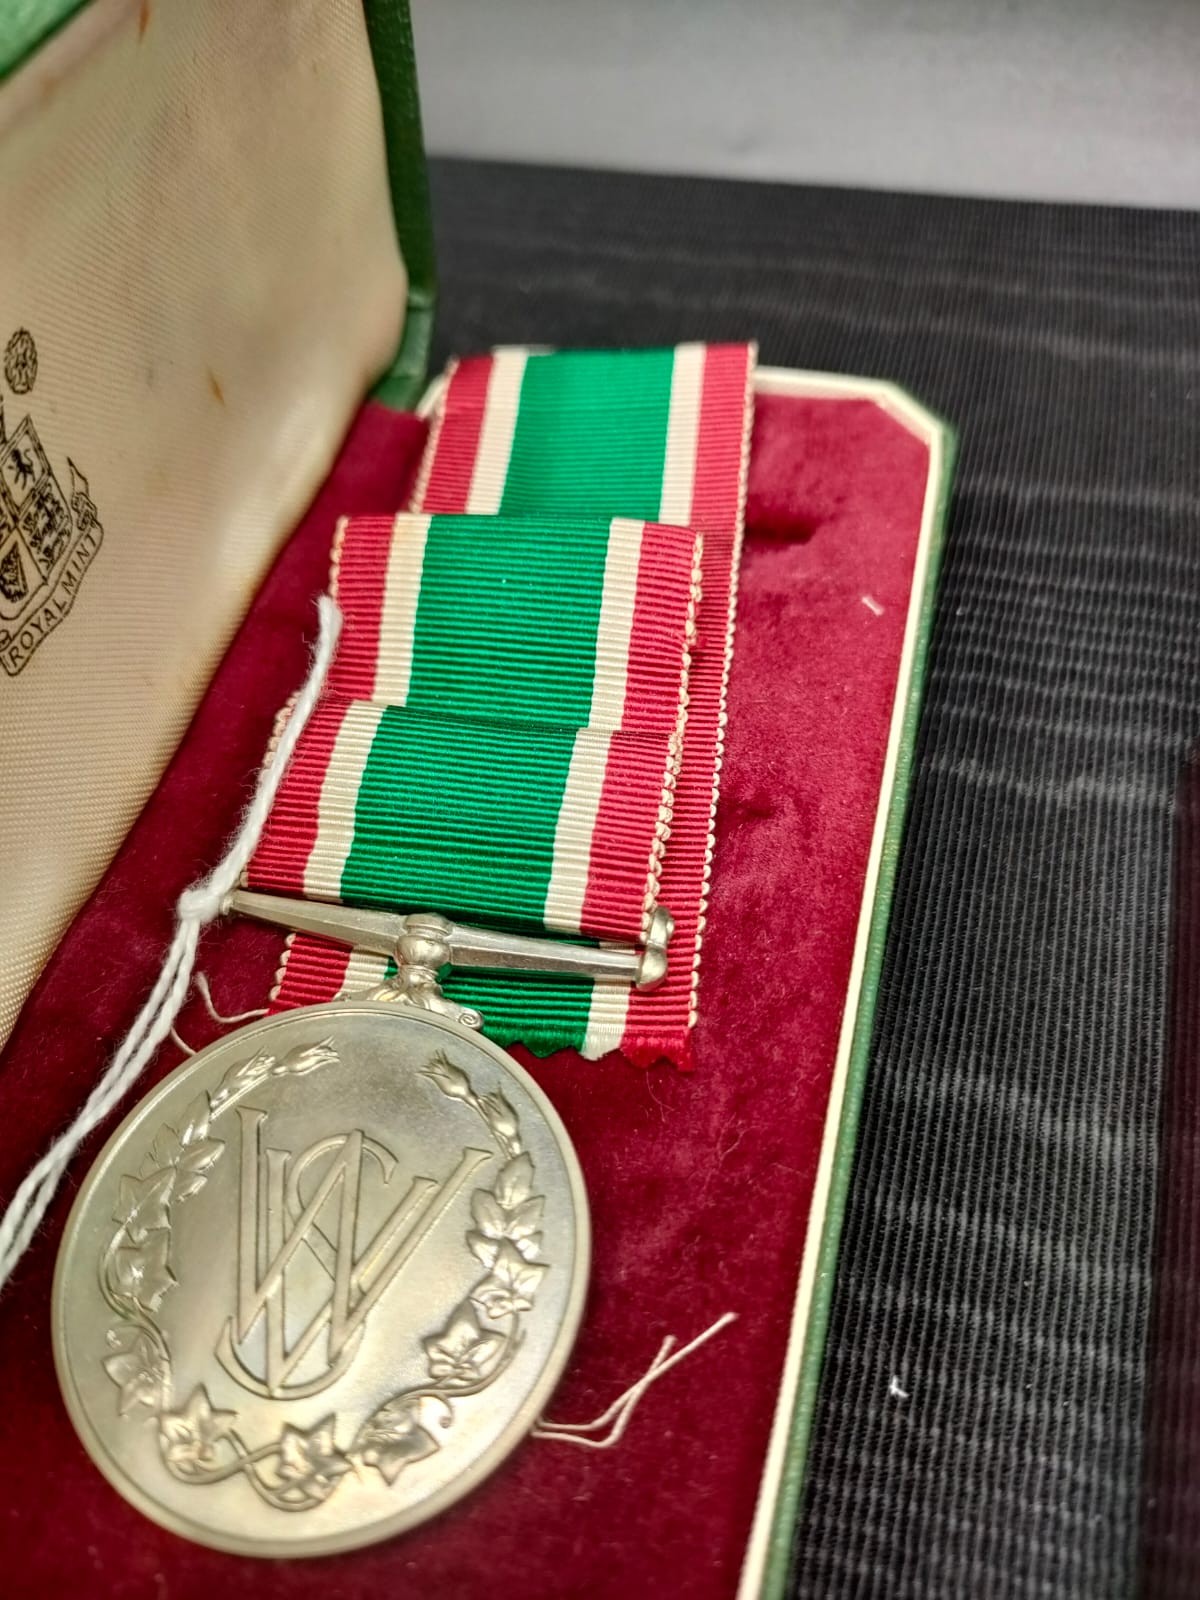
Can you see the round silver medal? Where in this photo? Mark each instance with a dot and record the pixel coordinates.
(322, 1280)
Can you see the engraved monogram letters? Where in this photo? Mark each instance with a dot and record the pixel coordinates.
(321, 1238)
(357, 1274)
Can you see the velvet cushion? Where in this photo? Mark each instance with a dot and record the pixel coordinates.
(700, 1183)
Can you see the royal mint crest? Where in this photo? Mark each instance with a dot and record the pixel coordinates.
(50, 529)
(321, 1281)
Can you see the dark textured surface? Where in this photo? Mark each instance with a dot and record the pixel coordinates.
(998, 1260)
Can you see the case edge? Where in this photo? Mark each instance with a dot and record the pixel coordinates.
(768, 1558)
(389, 33)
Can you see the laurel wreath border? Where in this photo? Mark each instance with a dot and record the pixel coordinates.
(300, 1468)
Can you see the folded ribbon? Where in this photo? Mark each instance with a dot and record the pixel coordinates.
(529, 692)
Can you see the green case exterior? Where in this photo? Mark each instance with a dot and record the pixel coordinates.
(28, 24)
(389, 29)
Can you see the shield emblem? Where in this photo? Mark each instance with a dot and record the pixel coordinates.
(23, 468)
(46, 524)
(47, 542)
(14, 571)
(35, 519)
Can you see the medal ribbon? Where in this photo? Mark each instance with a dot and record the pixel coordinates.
(528, 696)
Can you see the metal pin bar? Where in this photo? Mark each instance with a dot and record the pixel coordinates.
(366, 928)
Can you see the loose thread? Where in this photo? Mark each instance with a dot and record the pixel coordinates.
(623, 1407)
(205, 993)
(195, 909)
(200, 983)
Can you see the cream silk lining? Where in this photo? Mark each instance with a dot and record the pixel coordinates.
(198, 238)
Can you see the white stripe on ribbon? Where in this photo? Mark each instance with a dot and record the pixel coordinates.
(339, 796)
(363, 971)
(496, 434)
(683, 433)
(606, 1019)
(398, 618)
(573, 835)
(614, 628)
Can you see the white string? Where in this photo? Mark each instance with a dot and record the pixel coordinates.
(195, 909)
(623, 1407)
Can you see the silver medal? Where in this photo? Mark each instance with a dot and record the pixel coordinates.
(322, 1280)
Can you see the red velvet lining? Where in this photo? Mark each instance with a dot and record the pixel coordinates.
(699, 1183)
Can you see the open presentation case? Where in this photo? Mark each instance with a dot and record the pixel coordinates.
(216, 300)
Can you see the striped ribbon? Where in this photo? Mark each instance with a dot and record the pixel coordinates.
(528, 697)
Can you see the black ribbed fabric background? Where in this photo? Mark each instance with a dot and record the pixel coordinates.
(999, 1254)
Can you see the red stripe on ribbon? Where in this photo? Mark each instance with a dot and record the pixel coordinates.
(619, 863)
(359, 585)
(454, 447)
(287, 840)
(658, 1023)
(633, 793)
(661, 605)
(314, 971)
(722, 445)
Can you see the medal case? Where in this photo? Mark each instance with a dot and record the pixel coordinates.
(231, 354)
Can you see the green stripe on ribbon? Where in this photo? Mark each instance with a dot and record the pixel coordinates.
(541, 1011)
(507, 619)
(589, 441)
(591, 434)
(430, 780)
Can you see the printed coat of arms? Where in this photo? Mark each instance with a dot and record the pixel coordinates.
(48, 539)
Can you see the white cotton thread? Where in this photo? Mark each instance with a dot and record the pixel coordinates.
(195, 909)
(618, 1415)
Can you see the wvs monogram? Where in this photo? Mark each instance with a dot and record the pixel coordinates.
(281, 1233)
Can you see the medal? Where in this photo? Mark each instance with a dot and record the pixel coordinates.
(404, 1253)
(401, 1263)
(323, 1279)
